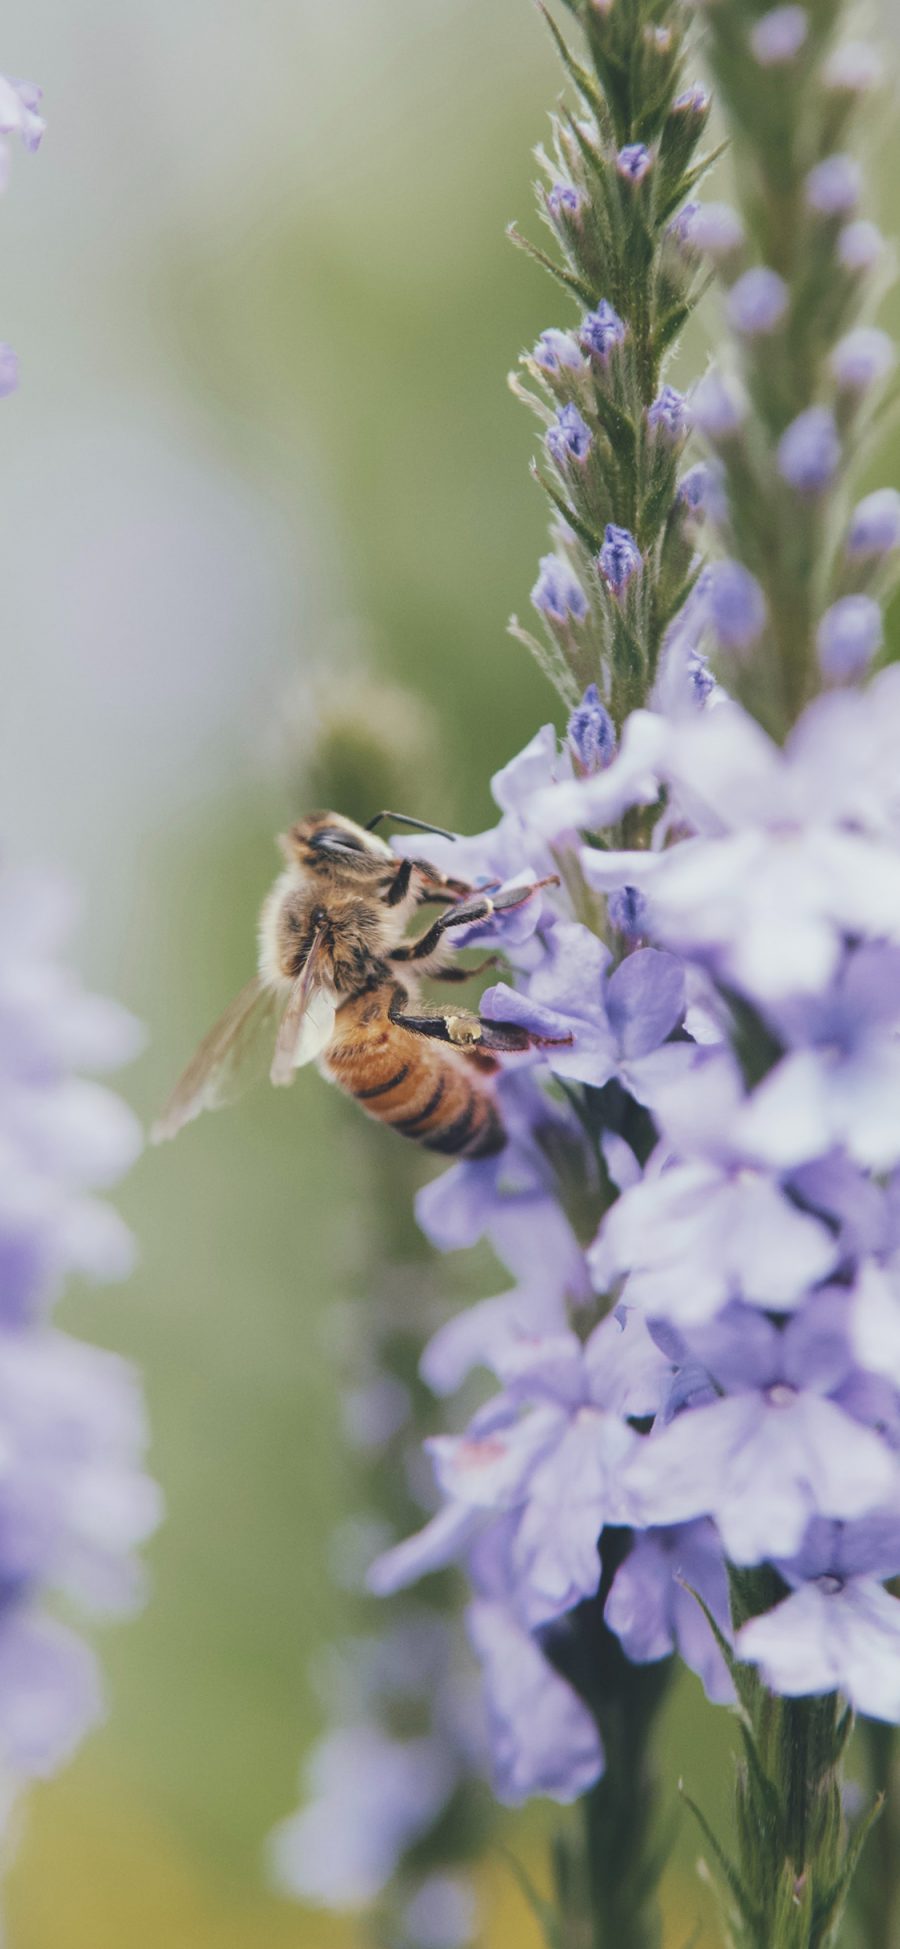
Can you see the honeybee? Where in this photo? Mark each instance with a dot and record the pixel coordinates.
(338, 984)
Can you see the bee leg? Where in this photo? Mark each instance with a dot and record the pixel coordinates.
(480, 908)
(456, 973)
(436, 887)
(466, 1031)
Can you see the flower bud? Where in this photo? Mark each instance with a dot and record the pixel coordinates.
(758, 302)
(709, 230)
(849, 635)
(601, 331)
(570, 438)
(634, 162)
(591, 732)
(833, 188)
(854, 69)
(557, 351)
(668, 415)
(718, 408)
(779, 35)
(627, 910)
(564, 200)
(809, 452)
(9, 370)
(620, 559)
(737, 606)
(863, 359)
(557, 593)
(860, 245)
(875, 525)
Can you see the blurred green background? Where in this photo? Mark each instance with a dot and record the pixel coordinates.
(259, 284)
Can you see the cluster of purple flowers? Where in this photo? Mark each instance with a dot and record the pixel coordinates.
(74, 1499)
(718, 1372)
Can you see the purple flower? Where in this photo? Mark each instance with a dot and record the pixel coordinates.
(620, 559)
(848, 637)
(860, 245)
(838, 1629)
(737, 606)
(634, 162)
(668, 415)
(615, 1021)
(777, 37)
(653, 1610)
(570, 438)
(854, 68)
(863, 359)
(591, 732)
(758, 302)
(710, 229)
(557, 351)
(542, 1738)
(875, 525)
(772, 1447)
(601, 331)
(718, 408)
(627, 910)
(834, 186)
(9, 371)
(19, 105)
(692, 101)
(809, 452)
(564, 200)
(695, 488)
(442, 1913)
(557, 594)
(74, 1501)
(369, 1797)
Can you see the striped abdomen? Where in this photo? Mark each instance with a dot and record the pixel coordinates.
(425, 1089)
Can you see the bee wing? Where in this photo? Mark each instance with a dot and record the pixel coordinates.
(308, 1020)
(224, 1062)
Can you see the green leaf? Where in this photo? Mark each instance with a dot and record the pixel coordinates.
(544, 1913)
(566, 278)
(583, 81)
(742, 1900)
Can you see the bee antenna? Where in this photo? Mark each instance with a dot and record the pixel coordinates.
(404, 819)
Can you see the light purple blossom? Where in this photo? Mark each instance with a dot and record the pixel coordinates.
(863, 359)
(737, 606)
(74, 1500)
(557, 593)
(634, 162)
(838, 1629)
(558, 351)
(854, 68)
(564, 200)
(442, 1913)
(718, 407)
(875, 525)
(570, 438)
(809, 452)
(9, 371)
(860, 245)
(692, 101)
(669, 415)
(542, 1737)
(367, 1798)
(849, 635)
(758, 302)
(19, 116)
(778, 36)
(834, 186)
(772, 1446)
(627, 910)
(710, 229)
(620, 559)
(591, 732)
(601, 331)
(652, 1608)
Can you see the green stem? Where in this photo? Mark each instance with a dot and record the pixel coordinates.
(877, 1891)
(607, 1876)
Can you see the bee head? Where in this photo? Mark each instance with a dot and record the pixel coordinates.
(331, 835)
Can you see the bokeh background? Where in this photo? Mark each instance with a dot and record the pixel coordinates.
(263, 465)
